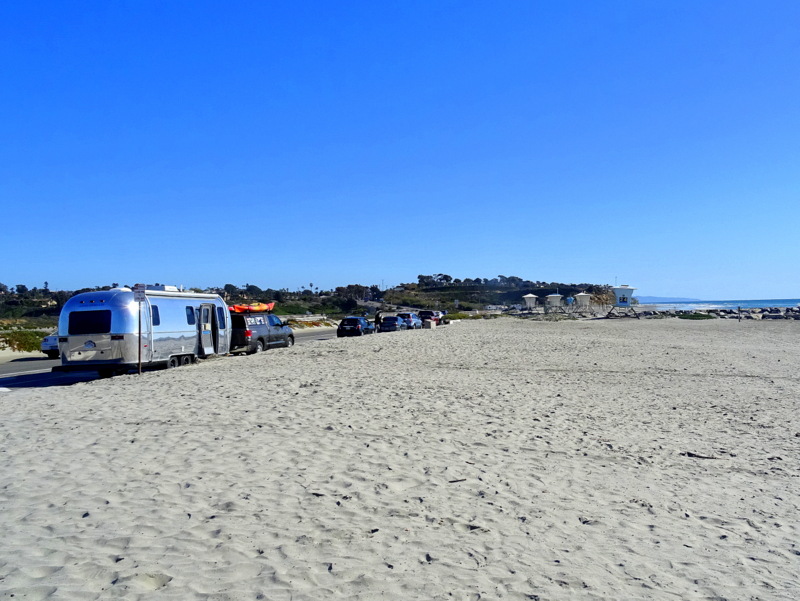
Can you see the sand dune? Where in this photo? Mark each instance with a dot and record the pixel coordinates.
(485, 460)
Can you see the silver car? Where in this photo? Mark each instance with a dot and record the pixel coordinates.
(412, 320)
(50, 345)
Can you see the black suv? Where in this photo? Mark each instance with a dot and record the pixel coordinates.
(256, 332)
(354, 326)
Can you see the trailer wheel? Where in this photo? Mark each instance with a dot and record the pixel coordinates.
(186, 360)
(173, 362)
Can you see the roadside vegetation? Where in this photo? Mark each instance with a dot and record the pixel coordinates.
(24, 308)
(22, 340)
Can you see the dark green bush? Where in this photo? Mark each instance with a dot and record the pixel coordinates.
(22, 340)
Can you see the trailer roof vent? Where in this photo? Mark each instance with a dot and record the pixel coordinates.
(163, 287)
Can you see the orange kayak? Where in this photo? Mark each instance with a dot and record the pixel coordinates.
(257, 308)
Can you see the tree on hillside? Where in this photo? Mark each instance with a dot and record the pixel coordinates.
(21, 289)
(61, 297)
(354, 291)
(349, 305)
(3, 288)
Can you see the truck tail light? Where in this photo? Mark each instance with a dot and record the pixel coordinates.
(248, 333)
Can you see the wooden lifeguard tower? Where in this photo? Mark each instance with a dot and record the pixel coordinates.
(530, 301)
(583, 301)
(554, 303)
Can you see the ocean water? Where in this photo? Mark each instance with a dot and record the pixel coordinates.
(725, 304)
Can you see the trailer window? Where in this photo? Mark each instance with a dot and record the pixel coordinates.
(221, 318)
(156, 316)
(190, 319)
(89, 322)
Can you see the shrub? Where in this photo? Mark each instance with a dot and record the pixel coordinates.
(462, 316)
(24, 340)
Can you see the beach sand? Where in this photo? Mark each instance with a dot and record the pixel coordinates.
(497, 459)
(6, 355)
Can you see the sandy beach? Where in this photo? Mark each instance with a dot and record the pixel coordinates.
(6, 355)
(495, 459)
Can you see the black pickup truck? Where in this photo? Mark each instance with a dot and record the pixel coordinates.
(256, 332)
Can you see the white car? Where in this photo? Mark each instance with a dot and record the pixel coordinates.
(50, 345)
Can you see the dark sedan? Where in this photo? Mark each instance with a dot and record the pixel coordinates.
(392, 323)
(354, 326)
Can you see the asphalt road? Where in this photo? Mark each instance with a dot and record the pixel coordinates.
(34, 372)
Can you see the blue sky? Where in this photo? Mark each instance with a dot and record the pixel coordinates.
(655, 144)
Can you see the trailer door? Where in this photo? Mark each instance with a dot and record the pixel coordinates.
(207, 327)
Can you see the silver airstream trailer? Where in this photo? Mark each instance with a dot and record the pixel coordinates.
(99, 331)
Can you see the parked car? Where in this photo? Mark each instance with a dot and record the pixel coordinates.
(256, 332)
(354, 326)
(433, 316)
(412, 320)
(50, 345)
(393, 323)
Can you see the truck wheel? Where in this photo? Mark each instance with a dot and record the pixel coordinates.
(259, 347)
(289, 341)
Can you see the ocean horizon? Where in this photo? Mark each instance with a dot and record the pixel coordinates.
(725, 304)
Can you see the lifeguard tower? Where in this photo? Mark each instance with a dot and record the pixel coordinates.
(583, 301)
(530, 301)
(554, 303)
(623, 301)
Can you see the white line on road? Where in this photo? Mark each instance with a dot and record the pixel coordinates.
(25, 373)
